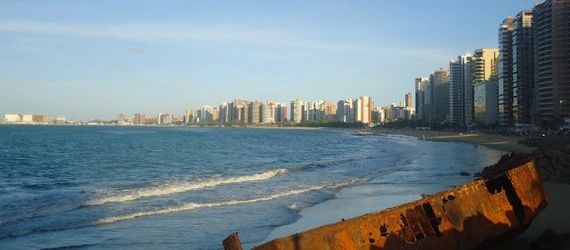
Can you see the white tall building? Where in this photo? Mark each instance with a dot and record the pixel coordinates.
(164, 119)
(269, 112)
(363, 107)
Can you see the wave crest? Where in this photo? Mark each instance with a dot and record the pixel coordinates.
(173, 188)
(191, 205)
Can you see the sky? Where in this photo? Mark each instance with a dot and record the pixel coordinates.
(96, 59)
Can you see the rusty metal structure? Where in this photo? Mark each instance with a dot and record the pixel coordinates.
(502, 202)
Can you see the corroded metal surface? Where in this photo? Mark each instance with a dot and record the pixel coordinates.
(459, 218)
(232, 242)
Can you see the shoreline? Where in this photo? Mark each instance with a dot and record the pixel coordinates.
(552, 217)
(496, 142)
(168, 126)
(377, 194)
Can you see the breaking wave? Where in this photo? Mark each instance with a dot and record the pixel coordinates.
(191, 205)
(173, 188)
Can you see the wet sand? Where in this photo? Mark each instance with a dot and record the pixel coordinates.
(370, 198)
(497, 142)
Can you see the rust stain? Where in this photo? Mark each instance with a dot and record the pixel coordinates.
(459, 218)
(232, 242)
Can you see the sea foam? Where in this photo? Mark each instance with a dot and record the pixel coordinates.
(191, 205)
(181, 187)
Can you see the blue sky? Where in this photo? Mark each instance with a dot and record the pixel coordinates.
(95, 59)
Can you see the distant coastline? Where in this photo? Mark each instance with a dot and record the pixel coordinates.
(169, 126)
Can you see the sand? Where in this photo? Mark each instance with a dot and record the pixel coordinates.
(497, 142)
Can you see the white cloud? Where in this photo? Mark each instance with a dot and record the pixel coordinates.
(216, 34)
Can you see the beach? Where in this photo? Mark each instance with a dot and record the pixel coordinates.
(375, 195)
(436, 167)
(494, 141)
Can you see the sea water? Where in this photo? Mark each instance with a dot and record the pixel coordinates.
(104, 187)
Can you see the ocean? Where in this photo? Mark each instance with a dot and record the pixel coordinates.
(104, 187)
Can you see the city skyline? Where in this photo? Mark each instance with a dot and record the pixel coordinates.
(521, 84)
(88, 61)
(404, 101)
(241, 112)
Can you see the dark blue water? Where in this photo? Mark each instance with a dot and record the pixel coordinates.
(188, 188)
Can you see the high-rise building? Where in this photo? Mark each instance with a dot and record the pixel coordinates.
(224, 114)
(505, 75)
(551, 30)
(330, 110)
(356, 105)
(310, 111)
(188, 116)
(207, 115)
(254, 113)
(245, 115)
(363, 107)
(459, 78)
(215, 114)
(139, 119)
(345, 111)
(238, 112)
(522, 68)
(491, 100)
(421, 86)
(297, 111)
(319, 110)
(394, 113)
(479, 103)
(164, 119)
(377, 115)
(439, 88)
(283, 113)
(269, 112)
(305, 110)
(483, 65)
(408, 105)
(408, 100)
(313, 110)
